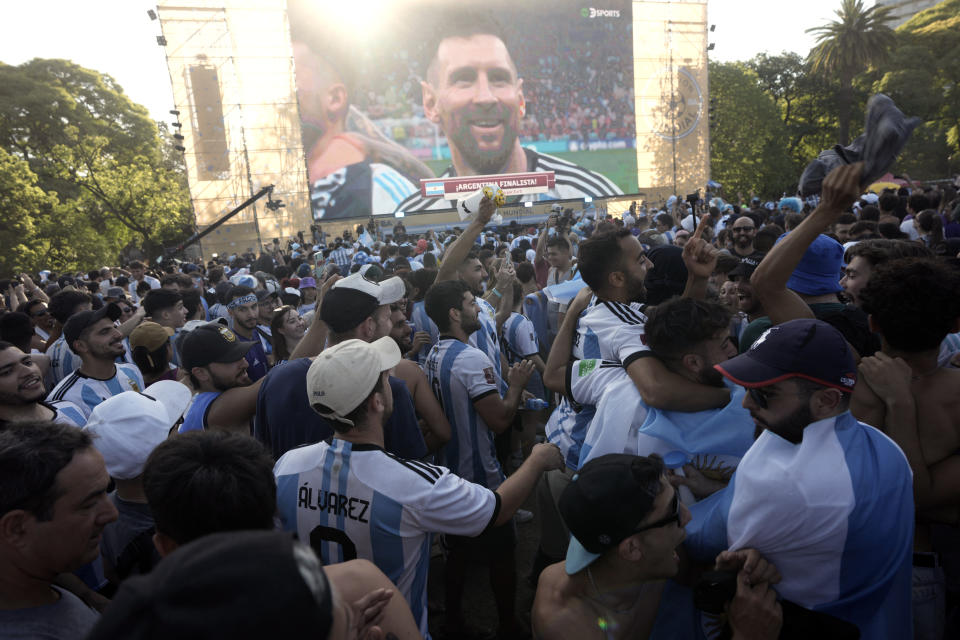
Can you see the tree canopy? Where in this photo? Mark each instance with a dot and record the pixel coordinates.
(88, 166)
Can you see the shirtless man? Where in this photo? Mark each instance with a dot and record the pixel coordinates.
(913, 304)
(626, 522)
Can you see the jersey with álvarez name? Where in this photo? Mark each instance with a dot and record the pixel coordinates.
(353, 501)
(460, 375)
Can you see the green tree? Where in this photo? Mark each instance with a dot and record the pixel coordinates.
(747, 152)
(807, 103)
(922, 75)
(20, 202)
(99, 154)
(847, 47)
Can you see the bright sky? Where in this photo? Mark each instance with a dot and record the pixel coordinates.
(117, 37)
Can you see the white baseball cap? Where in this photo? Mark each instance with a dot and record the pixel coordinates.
(130, 425)
(386, 292)
(342, 377)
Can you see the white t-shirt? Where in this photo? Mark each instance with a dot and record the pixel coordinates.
(357, 501)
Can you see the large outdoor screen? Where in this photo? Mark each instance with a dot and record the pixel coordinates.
(431, 89)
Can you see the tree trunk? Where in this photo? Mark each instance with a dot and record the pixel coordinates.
(845, 105)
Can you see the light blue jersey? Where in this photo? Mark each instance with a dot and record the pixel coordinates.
(611, 331)
(86, 392)
(422, 322)
(459, 375)
(353, 501)
(63, 361)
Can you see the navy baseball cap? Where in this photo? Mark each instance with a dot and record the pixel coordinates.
(820, 269)
(805, 348)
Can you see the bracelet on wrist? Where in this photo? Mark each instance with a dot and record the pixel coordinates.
(496, 293)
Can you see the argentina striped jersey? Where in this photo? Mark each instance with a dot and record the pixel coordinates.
(353, 501)
(459, 375)
(422, 322)
(86, 392)
(487, 339)
(606, 330)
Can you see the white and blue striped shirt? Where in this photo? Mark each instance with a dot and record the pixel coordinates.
(86, 392)
(357, 501)
(459, 375)
(63, 361)
(486, 338)
(611, 331)
(422, 322)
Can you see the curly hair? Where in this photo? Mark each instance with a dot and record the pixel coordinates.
(914, 301)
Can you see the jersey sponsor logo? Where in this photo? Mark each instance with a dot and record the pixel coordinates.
(335, 503)
(489, 376)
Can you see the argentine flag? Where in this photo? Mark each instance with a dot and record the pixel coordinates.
(834, 513)
(714, 441)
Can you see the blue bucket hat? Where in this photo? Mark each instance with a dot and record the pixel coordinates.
(820, 269)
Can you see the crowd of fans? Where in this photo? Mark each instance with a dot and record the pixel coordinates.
(724, 418)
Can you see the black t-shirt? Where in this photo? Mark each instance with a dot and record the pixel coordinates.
(285, 420)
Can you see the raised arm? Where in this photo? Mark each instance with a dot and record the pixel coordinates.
(769, 281)
(233, 409)
(315, 339)
(457, 251)
(555, 370)
(700, 258)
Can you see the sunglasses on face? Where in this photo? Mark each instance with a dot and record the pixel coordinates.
(668, 520)
(40, 314)
(759, 396)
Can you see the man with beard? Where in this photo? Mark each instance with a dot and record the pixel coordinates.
(225, 398)
(463, 379)
(462, 263)
(351, 499)
(473, 92)
(244, 310)
(747, 303)
(22, 392)
(825, 498)
(689, 337)
(426, 404)
(743, 231)
(94, 337)
(53, 510)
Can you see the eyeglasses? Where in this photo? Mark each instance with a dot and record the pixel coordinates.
(668, 520)
(40, 314)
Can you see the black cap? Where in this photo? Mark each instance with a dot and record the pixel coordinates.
(237, 584)
(608, 497)
(804, 348)
(742, 270)
(344, 308)
(212, 342)
(78, 322)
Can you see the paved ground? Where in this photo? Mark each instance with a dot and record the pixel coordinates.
(478, 605)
